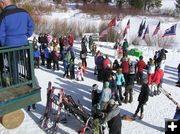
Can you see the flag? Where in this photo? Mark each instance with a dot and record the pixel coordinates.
(140, 31)
(117, 28)
(112, 23)
(144, 25)
(157, 29)
(170, 31)
(146, 32)
(126, 28)
(103, 33)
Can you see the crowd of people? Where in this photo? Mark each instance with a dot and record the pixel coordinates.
(120, 74)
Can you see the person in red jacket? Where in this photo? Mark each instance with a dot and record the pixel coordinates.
(125, 67)
(140, 67)
(71, 39)
(156, 81)
(106, 62)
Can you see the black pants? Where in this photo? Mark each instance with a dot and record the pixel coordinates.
(129, 93)
(140, 107)
(119, 88)
(36, 62)
(48, 60)
(99, 76)
(55, 64)
(125, 76)
(140, 77)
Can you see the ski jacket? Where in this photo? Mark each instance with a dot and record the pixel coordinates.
(71, 40)
(130, 79)
(36, 53)
(125, 46)
(140, 66)
(125, 66)
(106, 62)
(15, 28)
(162, 64)
(99, 62)
(158, 76)
(151, 69)
(47, 52)
(105, 95)
(144, 94)
(120, 79)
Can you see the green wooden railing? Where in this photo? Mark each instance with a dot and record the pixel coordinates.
(17, 71)
(17, 67)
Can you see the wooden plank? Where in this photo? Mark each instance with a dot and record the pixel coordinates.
(13, 93)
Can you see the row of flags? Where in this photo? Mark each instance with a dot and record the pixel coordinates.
(113, 24)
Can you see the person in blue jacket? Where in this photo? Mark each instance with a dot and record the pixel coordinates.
(16, 26)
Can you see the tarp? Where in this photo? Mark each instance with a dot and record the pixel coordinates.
(135, 52)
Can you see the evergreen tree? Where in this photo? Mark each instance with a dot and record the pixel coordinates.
(178, 6)
(150, 4)
(136, 4)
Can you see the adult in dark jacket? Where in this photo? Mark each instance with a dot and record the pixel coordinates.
(99, 64)
(113, 118)
(129, 85)
(143, 98)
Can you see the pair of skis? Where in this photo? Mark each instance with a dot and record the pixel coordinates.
(169, 96)
(45, 118)
(53, 129)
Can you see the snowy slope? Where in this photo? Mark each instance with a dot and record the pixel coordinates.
(158, 108)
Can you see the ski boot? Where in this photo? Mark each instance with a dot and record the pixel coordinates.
(141, 117)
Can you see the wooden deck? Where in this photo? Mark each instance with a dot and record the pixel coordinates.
(14, 93)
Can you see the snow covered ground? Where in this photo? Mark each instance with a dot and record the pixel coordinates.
(157, 109)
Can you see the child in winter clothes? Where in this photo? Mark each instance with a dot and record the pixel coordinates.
(120, 82)
(143, 98)
(105, 96)
(47, 55)
(36, 57)
(71, 69)
(151, 71)
(66, 63)
(125, 67)
(156, 81)
(80, 75)
(55, 58)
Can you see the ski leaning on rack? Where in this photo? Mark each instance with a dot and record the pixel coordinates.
(86, 128)
(46, 115)
(53, 129)
(169, 96)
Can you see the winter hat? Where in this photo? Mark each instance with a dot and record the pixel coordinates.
(95, 87)
(106, 84)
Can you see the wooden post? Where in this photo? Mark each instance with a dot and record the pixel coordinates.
(12, 120)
